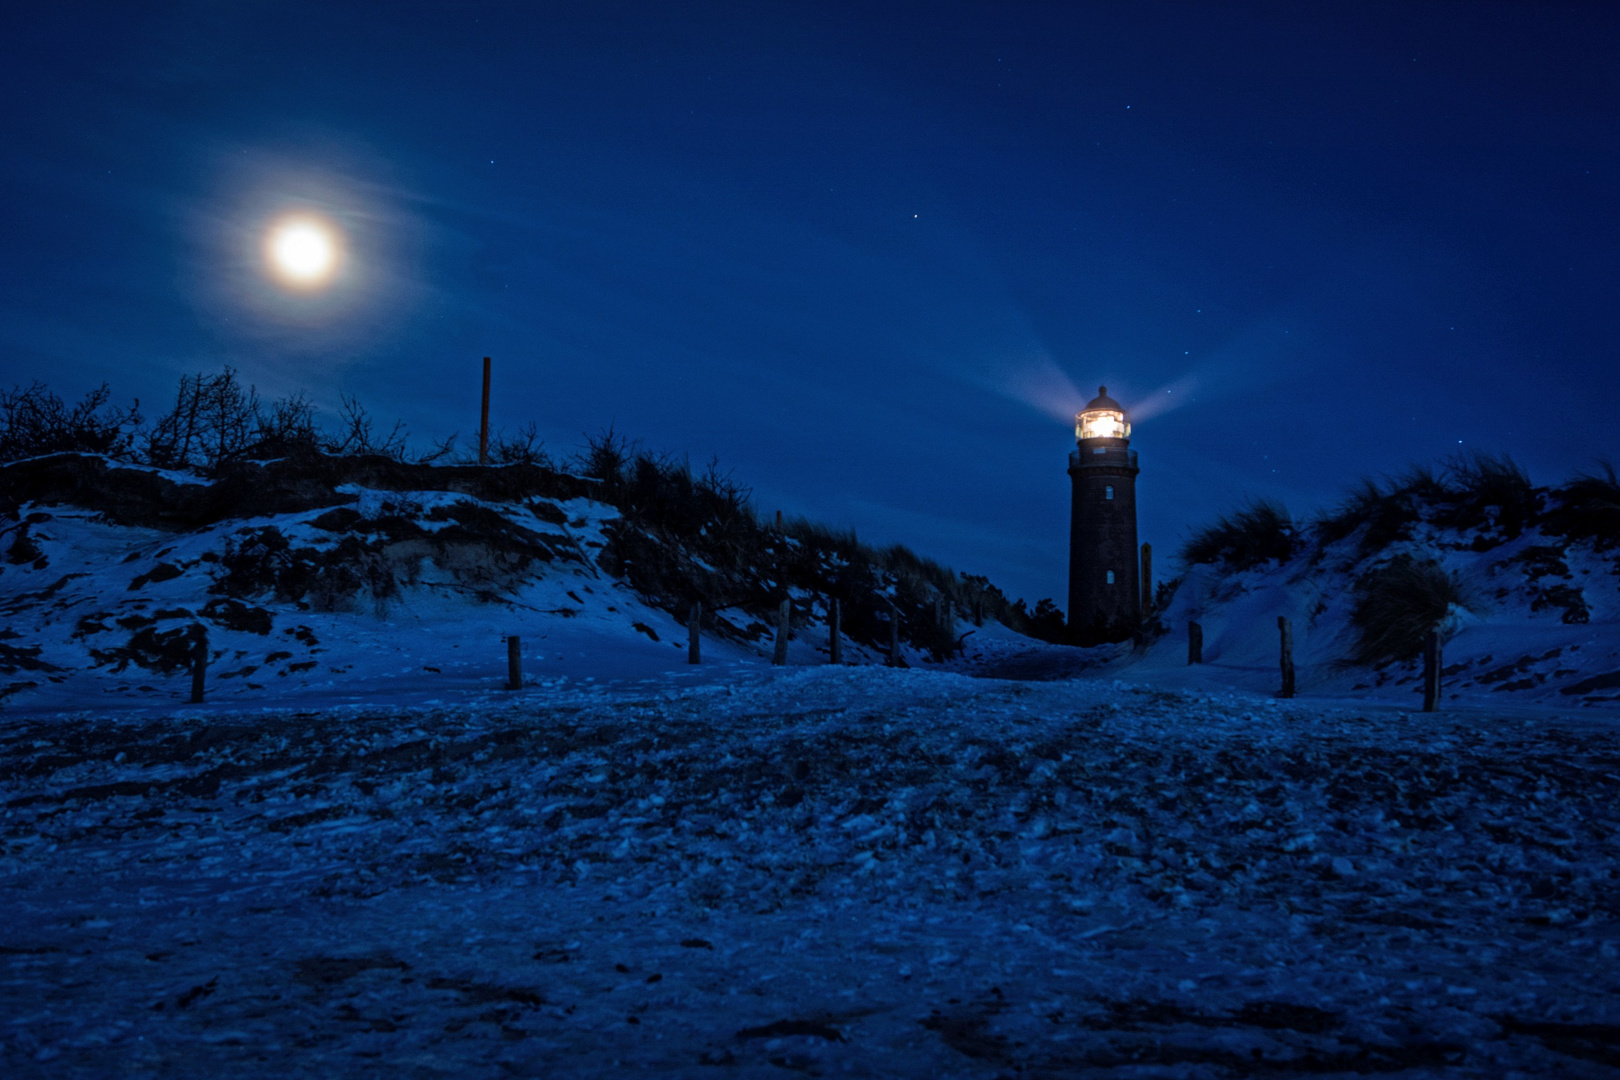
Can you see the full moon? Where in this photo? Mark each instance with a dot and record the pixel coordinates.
(302, 251)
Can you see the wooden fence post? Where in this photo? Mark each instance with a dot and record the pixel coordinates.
(694, 634)
(1195, 643)
(1431, 671)
(835, 637)
(1286, 630)
(894, 635)
(514, 663)
(783, 616)
(199, 663)
(1147, 579)
(483, 420)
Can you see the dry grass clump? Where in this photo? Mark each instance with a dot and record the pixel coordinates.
(1484, 489)
(1588, 508)
(1384, 511)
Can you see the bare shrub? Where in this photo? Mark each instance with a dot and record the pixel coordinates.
(288, 427)
(522, 448)
(214, 417)
(35, 421)
(357, 434)
(605, 458)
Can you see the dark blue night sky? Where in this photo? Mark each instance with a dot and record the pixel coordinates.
(870, 256)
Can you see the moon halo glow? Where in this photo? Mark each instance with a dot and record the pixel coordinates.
(303, 251)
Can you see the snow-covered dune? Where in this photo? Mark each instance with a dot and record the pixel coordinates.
(1543, 625)
(352, 591)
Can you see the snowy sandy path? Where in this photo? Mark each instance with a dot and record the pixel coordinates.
(842, 872)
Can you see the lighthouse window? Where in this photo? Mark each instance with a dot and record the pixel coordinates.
(1110, 577)
(1108, 491)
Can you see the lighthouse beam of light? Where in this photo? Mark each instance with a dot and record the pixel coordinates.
(1044, 386)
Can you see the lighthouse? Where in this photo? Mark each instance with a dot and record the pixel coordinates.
(1104, 589)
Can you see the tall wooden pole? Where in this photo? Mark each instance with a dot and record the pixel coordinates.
(1285, 630)
(894, 635)
(1147, 579)
(1431, 671)
(694, 632)
(835, 635)
(483, 420)
(514, 663)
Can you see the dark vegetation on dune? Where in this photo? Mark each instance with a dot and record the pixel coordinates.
(1245, 538)
(683, 536)
(1399, 603)
(1400, 597)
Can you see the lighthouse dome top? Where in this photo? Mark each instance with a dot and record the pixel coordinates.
(1103, 401)
(1103, 418)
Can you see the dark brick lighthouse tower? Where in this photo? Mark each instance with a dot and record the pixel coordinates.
(1104, 591)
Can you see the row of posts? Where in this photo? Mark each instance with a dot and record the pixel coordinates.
(694, 642)
(1285, 633)
(835, 650)
(835, 631)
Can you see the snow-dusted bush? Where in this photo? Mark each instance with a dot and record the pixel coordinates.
(1399, 603)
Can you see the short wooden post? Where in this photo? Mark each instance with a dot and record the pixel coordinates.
(894, 635)
(1195, 643)
(779, 521)
(784, 615)
(514, 663)
(1431, 671)
(199, 663)
(978, 611)
(835, 635)
(1147, 579)
(483, 420)
(1286, 630)
(694, 633)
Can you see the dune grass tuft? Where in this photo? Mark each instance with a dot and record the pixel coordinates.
(1245, 538)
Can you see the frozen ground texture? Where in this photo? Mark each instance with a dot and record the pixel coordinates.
(850, 871)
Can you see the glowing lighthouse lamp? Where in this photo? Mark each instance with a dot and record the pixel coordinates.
(1102, 419)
